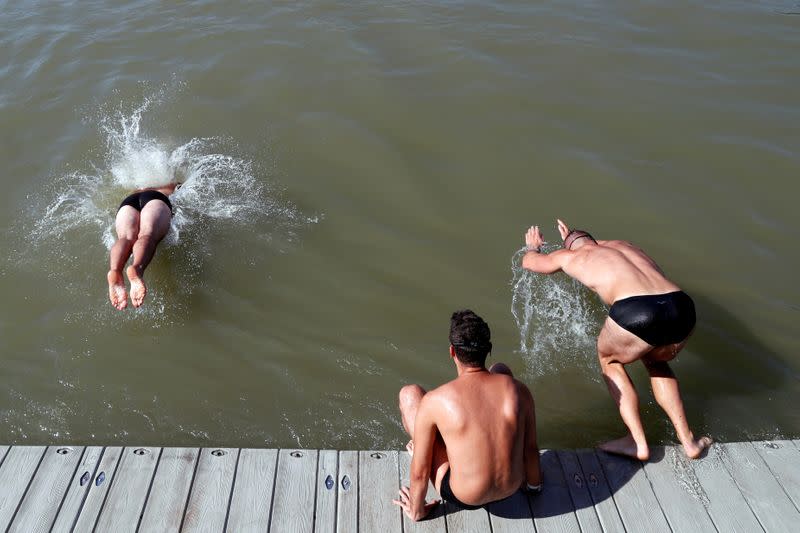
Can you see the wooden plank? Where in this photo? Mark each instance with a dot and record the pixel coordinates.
(210, 495)
(16, 473)
(293, 507)
(512, 515)
(129, 490)
(40, 505)
(553, 509)
(170, 490)
(98, 489)
(379, 482)
(726, 505)
(78, 489)
(579, 491)
(434, 522)
(327, 473)
(676, 486)
(773, 508)
(347, 493)
(466, 521)
(251, 501)
(604, 503)
(783, 459)
(3, 451)
(637, 504)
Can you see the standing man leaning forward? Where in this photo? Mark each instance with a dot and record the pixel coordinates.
(650, 319)
(473, 437)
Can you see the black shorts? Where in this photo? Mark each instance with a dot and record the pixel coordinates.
(448, 495)
(657, 319)
(139, 199)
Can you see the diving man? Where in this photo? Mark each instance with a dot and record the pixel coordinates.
(650, 319)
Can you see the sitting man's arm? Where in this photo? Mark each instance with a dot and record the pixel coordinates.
(412, 499)
(538, 262)
(533, 471)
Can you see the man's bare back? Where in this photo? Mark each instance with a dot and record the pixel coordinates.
(473, 437)
(650, 319)
(481, 419)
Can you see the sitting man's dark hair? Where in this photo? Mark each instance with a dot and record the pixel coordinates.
(470, 337)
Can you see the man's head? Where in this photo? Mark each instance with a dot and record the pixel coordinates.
(470, 337)
(578, 237)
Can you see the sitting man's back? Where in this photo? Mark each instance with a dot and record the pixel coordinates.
(475, 436)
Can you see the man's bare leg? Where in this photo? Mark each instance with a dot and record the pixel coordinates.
(668, 396)
(616, 348)
(153, 226)
(634, 444)
(410, 397)
(127, 227)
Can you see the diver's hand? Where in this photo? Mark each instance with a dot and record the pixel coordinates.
(533, 239)
(563, 229)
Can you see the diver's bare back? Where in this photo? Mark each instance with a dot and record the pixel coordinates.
(617, 270)
(481, 418)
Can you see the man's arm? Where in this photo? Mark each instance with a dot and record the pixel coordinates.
(545, 263)
(412, 499)
(538, 262)
(533, 471)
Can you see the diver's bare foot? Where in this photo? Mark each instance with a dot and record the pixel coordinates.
(410, 448)
(626, 446)
(116, 289)
(695, 449)
(138, 288)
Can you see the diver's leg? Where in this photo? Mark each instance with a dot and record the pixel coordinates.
(127, 228)
(409, 399)
(616, 347)
(153, 226)
(668, 396)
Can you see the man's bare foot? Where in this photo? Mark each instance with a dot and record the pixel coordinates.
(116, 290)
(695, 449)
(138, 288)
(626, 446)
(410, 448)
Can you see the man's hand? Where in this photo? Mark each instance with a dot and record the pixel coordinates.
(563, 229)
(533, 239)
(405, 503)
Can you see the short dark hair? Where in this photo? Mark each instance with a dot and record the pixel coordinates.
(470, 337)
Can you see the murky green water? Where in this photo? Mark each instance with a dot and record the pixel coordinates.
(357, 171)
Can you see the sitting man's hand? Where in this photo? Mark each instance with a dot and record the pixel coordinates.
(405, 503)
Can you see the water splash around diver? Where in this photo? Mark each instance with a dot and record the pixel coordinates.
(557, 317)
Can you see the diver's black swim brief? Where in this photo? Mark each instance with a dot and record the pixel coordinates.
(657, 319)
(139, 199)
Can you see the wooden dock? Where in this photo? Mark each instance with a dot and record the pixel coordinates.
(746, 487)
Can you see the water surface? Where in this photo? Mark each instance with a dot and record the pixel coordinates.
(358, 170)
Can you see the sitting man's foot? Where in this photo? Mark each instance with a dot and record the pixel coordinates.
(626, 446)
(697, 446)
(116, 290)
(138, 288)
(410, 448)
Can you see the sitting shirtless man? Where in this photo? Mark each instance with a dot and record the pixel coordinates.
(650, 319)
(475, 436)
(143, 219)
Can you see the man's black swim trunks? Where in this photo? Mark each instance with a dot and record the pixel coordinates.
(139, 199)
(657, 319)
(448, 495)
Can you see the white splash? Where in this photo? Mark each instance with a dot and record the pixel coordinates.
(558, 319)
